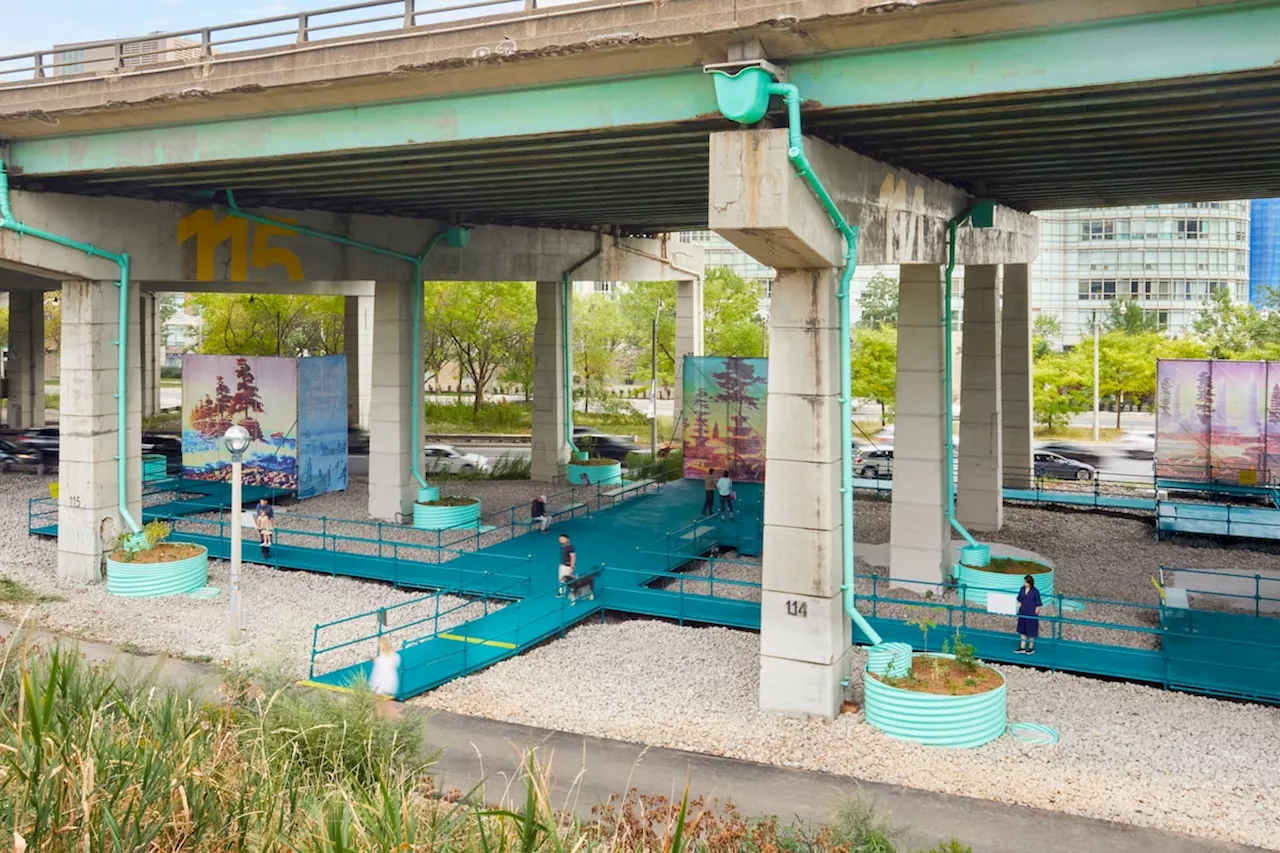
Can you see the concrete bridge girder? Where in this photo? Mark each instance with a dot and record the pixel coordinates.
(181, 246)
(759, 204)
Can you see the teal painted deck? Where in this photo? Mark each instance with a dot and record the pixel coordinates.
(611, 536)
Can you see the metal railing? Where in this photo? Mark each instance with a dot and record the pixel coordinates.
(1228, 581)
(432, 613)
(373, 20)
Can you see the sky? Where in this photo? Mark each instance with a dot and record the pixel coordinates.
(31, 25)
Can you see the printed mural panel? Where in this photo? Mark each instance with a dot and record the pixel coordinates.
(724, 415)
(258, 393)
(1213, 420)
(322, 425)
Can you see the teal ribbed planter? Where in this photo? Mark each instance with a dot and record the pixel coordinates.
(605, 475)
(935, 720)
(444, 517)
(977, 582)
(154, 467)
(152, 580)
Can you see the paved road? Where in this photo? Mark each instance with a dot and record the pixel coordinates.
(586, 770)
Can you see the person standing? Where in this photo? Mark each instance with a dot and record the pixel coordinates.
(538, 512)
(724, 486)
(709, 502)
(1028, 622)
(568, 561)
(384, 680)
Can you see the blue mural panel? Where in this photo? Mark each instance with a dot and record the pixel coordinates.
(322, 425)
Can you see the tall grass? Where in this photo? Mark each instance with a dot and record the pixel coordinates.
(92, 761)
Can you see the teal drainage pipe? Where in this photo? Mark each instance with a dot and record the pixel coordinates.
(7, 221)
(973, 554)
(566, 284)
(755, 78)
(457, 237)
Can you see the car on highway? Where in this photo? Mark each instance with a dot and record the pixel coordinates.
(873, 464)
(1088, 455)
(1138, 445)
(1049, 465)
(596, 443)
(16, 455)
(44, 439)
(443, 459)
(168, 446)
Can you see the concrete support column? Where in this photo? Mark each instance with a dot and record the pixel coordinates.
(88, 482)
(550, 450)
(26, 359)
(357, 343)
(152, 355)
(805, 636)
(1015, 377)
(392, 444)
(919, 536)
(979, 495)
(690, 322)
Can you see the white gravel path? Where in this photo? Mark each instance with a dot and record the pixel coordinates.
(1128, 753)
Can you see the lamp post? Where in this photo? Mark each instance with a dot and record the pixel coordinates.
(237, 440)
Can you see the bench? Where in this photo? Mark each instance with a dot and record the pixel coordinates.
(625, 488)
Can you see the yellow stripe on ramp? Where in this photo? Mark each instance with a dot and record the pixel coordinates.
(322, 686)
(477, 640)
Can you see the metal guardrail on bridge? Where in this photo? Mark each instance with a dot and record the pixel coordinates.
(373, 20)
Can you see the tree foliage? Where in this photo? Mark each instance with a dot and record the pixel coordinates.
(487, 324)
(1046, 335)
(1130, 318)
(878, 304)
(874, 363)
(271, 324)
(731, 305)
(599, 346)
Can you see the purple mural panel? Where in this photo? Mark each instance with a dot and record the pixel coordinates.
(1236, 444)
(1184, 406)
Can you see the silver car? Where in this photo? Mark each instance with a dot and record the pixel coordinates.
(443, 459)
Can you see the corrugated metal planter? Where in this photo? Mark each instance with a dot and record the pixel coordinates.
(152, 580)
(605, 475)
(934, 719)
(977, 581)
(154, 467)
(427, 517)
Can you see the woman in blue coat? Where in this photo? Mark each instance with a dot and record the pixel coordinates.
(1028, 623)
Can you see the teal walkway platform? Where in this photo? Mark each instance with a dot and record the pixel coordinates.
(529, 566)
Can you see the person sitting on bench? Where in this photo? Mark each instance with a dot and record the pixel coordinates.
(538, 512)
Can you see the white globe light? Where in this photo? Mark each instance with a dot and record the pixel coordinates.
(236, 439)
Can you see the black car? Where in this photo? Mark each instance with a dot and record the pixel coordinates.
(1051, 465)
(15, 456)
(44, 439)
(1087, 455)
(590, 440)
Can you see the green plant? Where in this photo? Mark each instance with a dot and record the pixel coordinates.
(16, 592)
(156, 532)
(971, 682)
(926, 621)
(964, 654)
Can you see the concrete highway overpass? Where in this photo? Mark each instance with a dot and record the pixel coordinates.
(569, 140)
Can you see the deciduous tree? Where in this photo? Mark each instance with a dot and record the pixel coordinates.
(878, 304)
(875, 367)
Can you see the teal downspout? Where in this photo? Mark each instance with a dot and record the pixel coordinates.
(566, 284)
(755, 82)
(7, 221)
(973, 554)
(416, 260)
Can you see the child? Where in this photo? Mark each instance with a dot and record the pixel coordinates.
(266, 529)
(385, 678)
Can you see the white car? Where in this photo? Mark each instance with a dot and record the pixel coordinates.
(443, 459)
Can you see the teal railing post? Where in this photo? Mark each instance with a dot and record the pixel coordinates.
(1257, 595)
(315, 638)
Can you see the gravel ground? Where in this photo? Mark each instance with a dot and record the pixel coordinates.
(282, 606)
(1128, 753)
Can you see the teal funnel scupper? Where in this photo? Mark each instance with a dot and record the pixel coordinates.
(743, 97)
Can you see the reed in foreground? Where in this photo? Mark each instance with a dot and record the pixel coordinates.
(91, 760)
